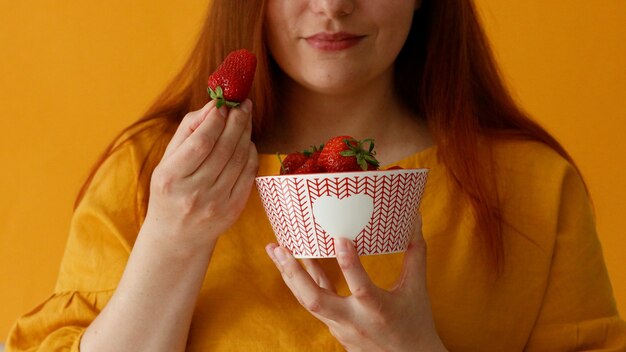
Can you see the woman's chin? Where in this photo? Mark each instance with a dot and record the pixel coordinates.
(334, 87)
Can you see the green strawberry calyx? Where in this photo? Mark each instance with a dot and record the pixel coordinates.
(363, 156)
(313, 149)
(218, 96)
(282, 166)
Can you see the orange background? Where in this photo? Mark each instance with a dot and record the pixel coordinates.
(73, 73)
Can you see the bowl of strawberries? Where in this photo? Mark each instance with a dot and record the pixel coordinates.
(338, 190)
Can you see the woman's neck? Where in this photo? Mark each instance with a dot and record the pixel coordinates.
(307, 118)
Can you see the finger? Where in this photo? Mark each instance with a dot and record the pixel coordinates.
(359, 283)
(195, 149)
(269, 249)
(245, 180)
(236, 124)
(272, 250)
(243, 186)
(187, 126)
(413, 275)
(318, 301)
(228, 177)
(318, 274)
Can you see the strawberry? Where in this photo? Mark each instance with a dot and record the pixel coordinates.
(395, 167)
(230, 84)
(344, 153)
(309, 167)
(314, 152)
(292, 162)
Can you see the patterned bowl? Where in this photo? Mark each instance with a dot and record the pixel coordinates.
(376, 209)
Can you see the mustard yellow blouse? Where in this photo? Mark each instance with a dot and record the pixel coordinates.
(553, 295)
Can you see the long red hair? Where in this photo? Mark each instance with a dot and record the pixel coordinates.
(446, 73)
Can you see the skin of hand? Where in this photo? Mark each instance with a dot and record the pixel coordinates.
(204, 179)
(371, 318)
(198, 190)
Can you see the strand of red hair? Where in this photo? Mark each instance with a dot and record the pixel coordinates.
(462, 95)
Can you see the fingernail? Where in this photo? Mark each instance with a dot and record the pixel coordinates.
(246, 106)
(280, 255)
(223, 111)
(270, 252)
(341, 246)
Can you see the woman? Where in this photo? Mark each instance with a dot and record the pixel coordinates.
(165, 248)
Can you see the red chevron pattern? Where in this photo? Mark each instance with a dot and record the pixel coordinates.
(288, 201)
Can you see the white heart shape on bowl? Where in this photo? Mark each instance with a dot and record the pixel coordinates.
(345, 217)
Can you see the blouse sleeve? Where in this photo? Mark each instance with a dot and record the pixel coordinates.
(578, 311)
(102, 231)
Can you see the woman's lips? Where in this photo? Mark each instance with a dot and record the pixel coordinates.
(333, 41)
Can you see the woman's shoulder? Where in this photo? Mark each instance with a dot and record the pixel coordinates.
(533, 175)
(138, 145)
(539, 190)
(132, 152)
(143, 135)
(526, 152)
(533, 171)
(529, 158)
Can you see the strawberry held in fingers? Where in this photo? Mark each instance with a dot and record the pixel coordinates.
(344, 153)
(231, 82)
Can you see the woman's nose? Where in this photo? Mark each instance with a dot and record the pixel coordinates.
(332, 8)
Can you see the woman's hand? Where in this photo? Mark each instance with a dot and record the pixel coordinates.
(197, 191)
(204, 179)
(371, 319)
